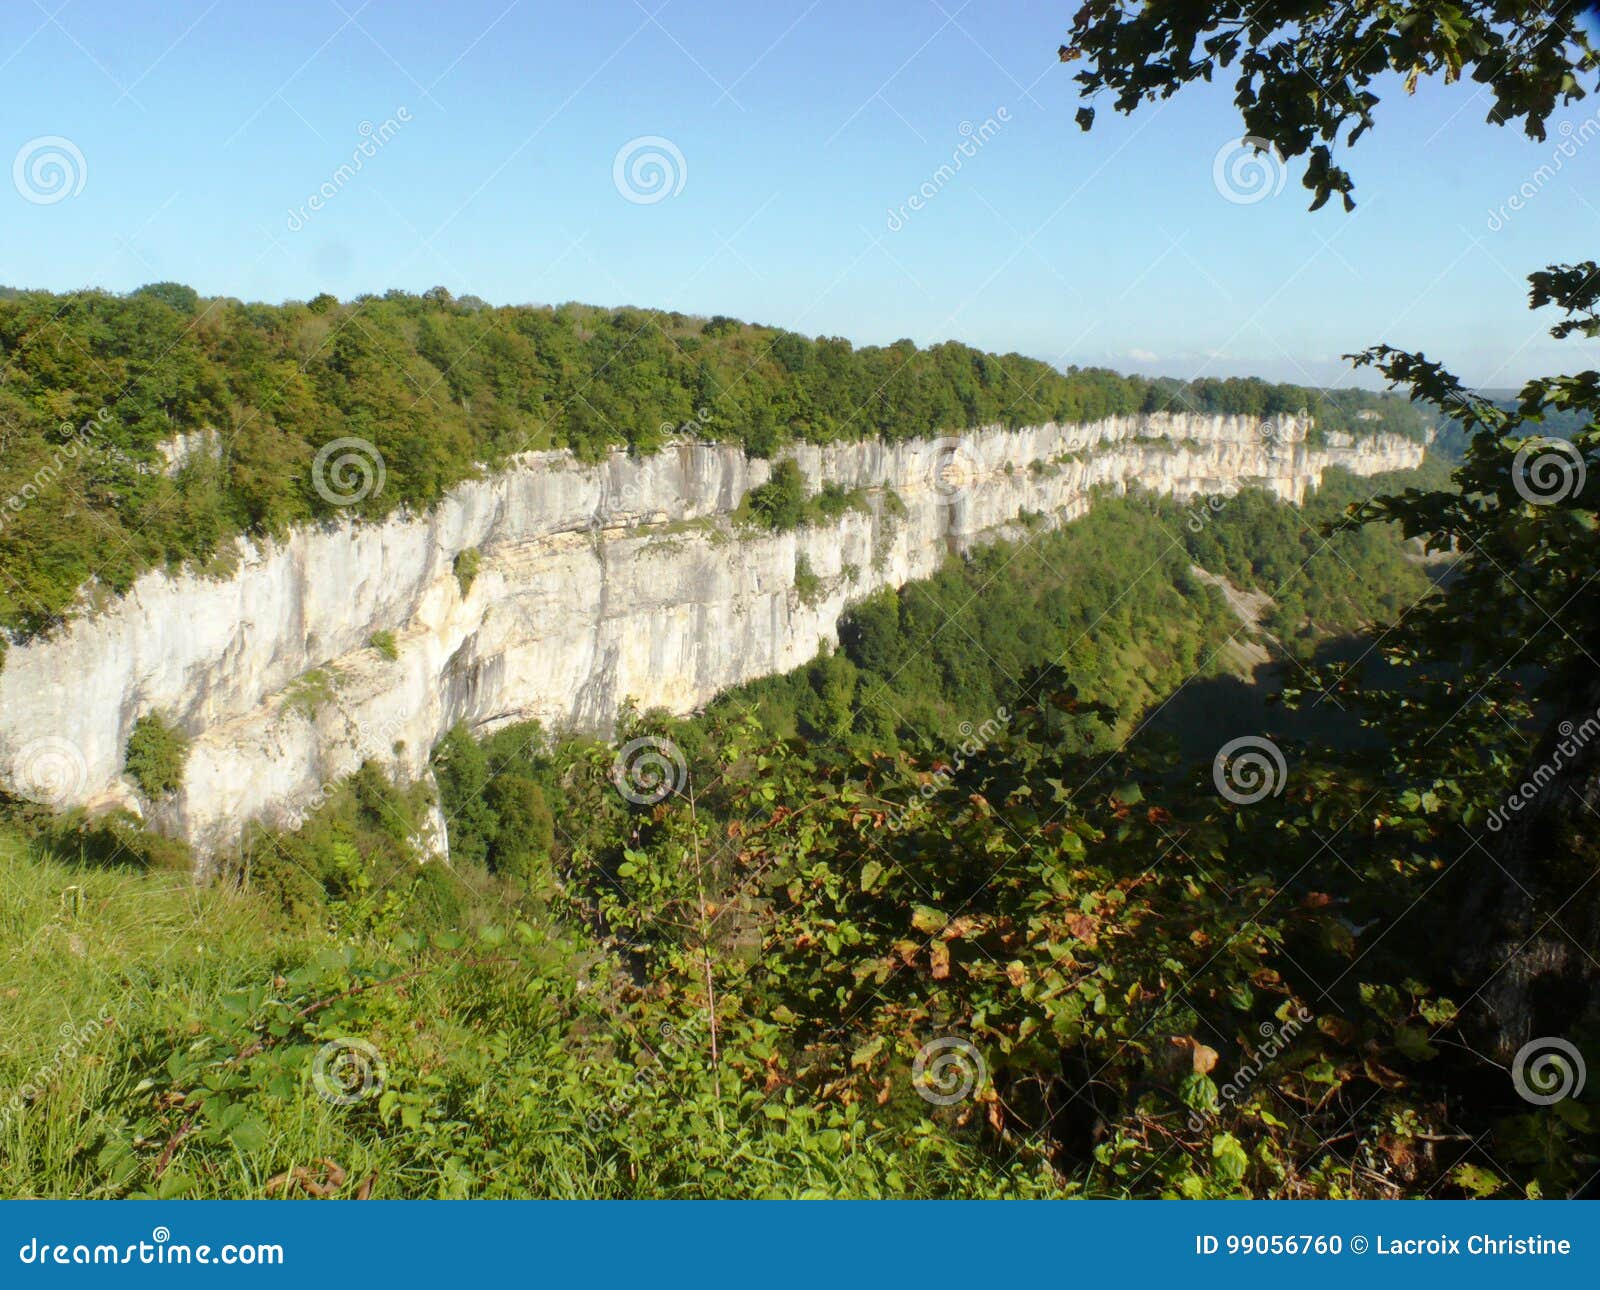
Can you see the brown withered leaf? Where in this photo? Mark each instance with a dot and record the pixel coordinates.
(319, 1183)
(1202, 1057)
(939, 956)
(1339, 1029)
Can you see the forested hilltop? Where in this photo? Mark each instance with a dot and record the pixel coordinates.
(99, 389)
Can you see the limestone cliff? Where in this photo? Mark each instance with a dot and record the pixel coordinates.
(597, 584)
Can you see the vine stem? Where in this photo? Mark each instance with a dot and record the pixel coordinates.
(705, 951)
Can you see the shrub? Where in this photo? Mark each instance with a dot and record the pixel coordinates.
(806, 581)
(780, 503)
(310, 690)
(835, 499)
(466, 566)
(286, 879)
(114, 840)
(526, 830)
(156, 753)
(384, 643)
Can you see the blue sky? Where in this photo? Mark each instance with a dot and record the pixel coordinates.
(204, 129)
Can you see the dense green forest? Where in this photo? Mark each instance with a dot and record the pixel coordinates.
(435, 388)
(903, 922)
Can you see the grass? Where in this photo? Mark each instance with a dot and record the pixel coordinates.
(147, 952)
(309, 691)
(499, 1082)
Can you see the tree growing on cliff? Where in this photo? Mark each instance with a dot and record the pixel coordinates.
(780, 503)
(157, 750)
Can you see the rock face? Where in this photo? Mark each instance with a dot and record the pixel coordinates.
(597, 584)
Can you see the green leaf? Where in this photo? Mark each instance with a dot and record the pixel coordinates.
(1477, 1180)
(1413, 1042)
(1230, 1157)
(249, 1134)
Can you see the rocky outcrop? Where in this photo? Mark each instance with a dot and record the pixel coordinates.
(597, 584)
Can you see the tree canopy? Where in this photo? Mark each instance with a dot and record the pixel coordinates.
(1306, 73)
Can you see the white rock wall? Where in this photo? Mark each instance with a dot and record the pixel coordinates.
(599, 583)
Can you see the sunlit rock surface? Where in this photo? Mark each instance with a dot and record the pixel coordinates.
(598, 584)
